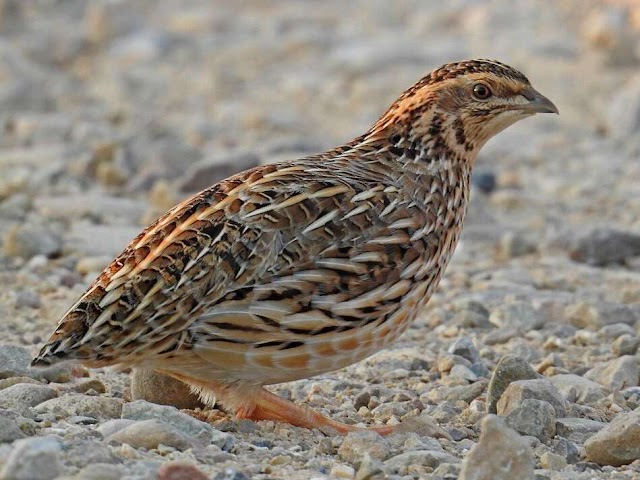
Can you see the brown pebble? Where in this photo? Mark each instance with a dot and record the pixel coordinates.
(180, 471)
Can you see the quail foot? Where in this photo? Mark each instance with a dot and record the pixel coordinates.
(293, 269)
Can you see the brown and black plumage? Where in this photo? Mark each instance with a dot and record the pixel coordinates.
(290, 270)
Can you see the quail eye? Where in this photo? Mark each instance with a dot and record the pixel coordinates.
(481, 91)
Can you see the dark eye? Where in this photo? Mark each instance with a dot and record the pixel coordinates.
(481, 91)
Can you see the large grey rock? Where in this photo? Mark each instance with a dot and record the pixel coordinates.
(500, 454)
(538, 389)
(22, 396)
(38, 458)
(618, 443)
(509, 369)
(535, 418)
(14, 361)
(616, 374)
(578, 389)
(151, 433)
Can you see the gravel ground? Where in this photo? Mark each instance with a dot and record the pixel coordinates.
(112, 111)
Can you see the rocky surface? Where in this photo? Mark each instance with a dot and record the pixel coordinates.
(113, 111)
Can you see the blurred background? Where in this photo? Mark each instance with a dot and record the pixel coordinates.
(113, 111)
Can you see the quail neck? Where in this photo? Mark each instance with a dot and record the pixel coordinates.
(297, 268)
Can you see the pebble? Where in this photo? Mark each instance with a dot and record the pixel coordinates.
(577, 430)
(533, 417)
(34, 458)
(578, 389)
(356, 444)
(369, 469)
(21, 397)
(180, 471)
(14, 361)
(602, 246)
(150, 434)
(71, 405)
(157, 388)
(616, 374)
(201, 432)
(429, 458)
(342, 471)
(509, 369)
(465, 348)
(595, 315)
(500, 454)
(27, 241)
(539, 389)
(517, 313)
(617, 443)
(10, 427)
(552, 461)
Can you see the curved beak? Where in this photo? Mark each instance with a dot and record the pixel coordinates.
(538, 103)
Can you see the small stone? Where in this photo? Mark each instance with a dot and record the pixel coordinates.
(618, 443)
(578, 389)
(180, 471)
(369, 469)
(516, 244)
(535, 418)
(162, 389)
(517, 313)
(465, 348)
(539, 389)
(200, 431)
(484, 180)
(342, 471)
(151, 433)
(14, 361)
(577, 429)
(22, 396)
(79, 452)
(27, 241)
(27, 299)
(9, 427)
(34, 458)
(626, 345)
(552, 461)
(467, 393)
(356, 444)
(231, 474)
(509, 369)
(463, 372)
(616, 374)
(500, 454)
(83, 405)
(595, 315)
(566, 449)
(602, 246)
(429, 458)
(101, 471)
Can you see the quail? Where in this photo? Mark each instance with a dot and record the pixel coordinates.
(293, 269)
